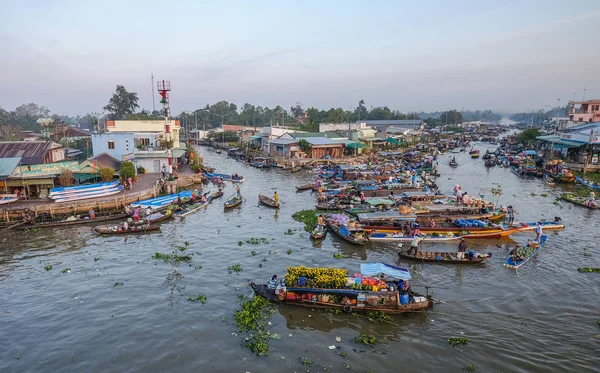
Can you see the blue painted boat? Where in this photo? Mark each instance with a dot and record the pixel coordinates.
(88, 194)
(509, 263)
(55, 192)
(589, 184)
(158, 202)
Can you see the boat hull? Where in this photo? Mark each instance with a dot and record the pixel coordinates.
(447, 258)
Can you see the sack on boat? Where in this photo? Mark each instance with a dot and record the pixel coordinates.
(420, 299)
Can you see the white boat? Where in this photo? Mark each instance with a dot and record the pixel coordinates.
(8, 198)
(93, 194)
(58, 192)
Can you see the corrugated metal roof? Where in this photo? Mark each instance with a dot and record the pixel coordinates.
(321, 141)
(7, 166)
(31, 152)
(283, 141)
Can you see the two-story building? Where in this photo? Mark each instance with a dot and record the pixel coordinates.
(584, 111)
(146, 126)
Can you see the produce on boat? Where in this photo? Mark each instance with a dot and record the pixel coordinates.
(378, 287)
(525, 254)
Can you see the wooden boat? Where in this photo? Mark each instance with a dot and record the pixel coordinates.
(296, 169)
(377, 236)
(485, 235)
(233, 202)
(587, 183)
(330, 206)
(351, 299)
(546, 225)
(305, 187)
(319, 232)
(116, 229)
(580, 201)
(217, 194)
(356, 236)
(443, 257)
(267, 201)
(569, 178)
(548, 181)
(453, 164)
(86, 220)
(158, 217)
(190, 209)
(533, 251)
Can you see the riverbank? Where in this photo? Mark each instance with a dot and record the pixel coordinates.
(146, 186)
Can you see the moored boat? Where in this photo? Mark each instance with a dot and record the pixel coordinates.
(8, 198)
(587, 183)
(470, 257)
(581, 201)
(378, 287)
(116, 229)
(531, 249)
(73, 220)
(268, 201)
(548, 181)
(318, 232)
(347, 231)
(305, 187)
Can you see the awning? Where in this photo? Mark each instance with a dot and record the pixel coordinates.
(376, 269)
(355, 145)
(392, 140)
(558, 141)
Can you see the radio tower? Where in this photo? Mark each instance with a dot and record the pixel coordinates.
(164, 87)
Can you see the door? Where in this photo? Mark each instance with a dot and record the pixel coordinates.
(156, 165)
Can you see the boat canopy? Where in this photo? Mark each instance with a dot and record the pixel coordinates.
(376, 269)
(386, 215)
(379, 201)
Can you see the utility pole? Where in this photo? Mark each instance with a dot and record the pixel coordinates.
(164, 87)
(152, 89)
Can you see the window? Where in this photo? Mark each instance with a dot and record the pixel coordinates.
(111, 144)
(142, 142)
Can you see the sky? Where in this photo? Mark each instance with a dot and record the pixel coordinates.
(505, 55)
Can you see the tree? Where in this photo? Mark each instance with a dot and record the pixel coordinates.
(527, 137)
(66, 177)
(122, 103)
(106, 173)
(297, 111)
(304, 146)
(127, 170)
(452, 117)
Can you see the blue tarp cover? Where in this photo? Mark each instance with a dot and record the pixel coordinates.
(375, 269)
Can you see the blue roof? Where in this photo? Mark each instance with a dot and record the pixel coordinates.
(7, 166)
(321, 141)
(375, 269)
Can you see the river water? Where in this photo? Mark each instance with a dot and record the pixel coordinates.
(541, 319)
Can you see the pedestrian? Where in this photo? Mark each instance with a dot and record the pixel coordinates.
(538, 232)
(510, 212)
(130, 181)
(164, 171)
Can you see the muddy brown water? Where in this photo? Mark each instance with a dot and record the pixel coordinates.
(542, 318)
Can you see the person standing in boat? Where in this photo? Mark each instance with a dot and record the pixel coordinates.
(276, 198)
(591, 201)
(462, 249)
(238, 192)
(510, 212)
(92, 214)
(538, 232)
(414, 245)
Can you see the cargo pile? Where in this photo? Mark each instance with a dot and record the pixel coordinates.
(326, 278)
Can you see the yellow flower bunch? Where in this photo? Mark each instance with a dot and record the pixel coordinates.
(317, 277)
